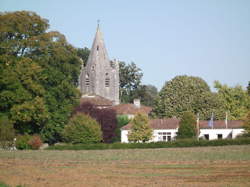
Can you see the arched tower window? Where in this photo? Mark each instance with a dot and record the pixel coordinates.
(87, 82)
(97, 48)
(107, 81)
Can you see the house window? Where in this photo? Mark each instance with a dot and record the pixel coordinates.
(206, 136)
(164, 136)
(219, 136)
(169, 138)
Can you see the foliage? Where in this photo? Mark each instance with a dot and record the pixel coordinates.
(248, 88)
(130, 80)
(147, 94)
(83, 53)
(187, 93)
(170, 144)
(7, 132)
(140, 131)
(82, 129)
(187, 128)
(106, 117)
(22, 142)
(122, 120)
(235, 100)
(35, 142)
(38, 75)
(247, 124)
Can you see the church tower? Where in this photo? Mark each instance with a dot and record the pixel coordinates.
(100, 76)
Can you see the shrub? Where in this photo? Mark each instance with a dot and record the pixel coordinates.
(7, 132)
(82, 129)
(35, 142)
(22, 142)
(187, 127)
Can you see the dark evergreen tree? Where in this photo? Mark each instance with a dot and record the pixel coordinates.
(187, 126)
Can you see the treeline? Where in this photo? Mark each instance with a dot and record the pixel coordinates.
(39, 73)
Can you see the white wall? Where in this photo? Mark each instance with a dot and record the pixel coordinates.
(226, 133)
(213, 134)
(155, 138)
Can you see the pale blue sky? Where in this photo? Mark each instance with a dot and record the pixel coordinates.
(205, 38)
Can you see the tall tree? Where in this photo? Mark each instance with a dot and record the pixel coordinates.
(140, 131)
(248, 88)
(236, 100)
(130, 80)
(38, 75)
(187, 128)
(187, 93)
(147, 94)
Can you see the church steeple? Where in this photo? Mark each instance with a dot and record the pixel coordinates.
(100, 76)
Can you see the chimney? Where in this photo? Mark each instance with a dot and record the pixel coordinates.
(137, 103)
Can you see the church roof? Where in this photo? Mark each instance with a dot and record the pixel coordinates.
(122, 109)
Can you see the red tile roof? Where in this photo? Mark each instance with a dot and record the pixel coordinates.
(167, 123)
(131, 109)
(173, 123)
(220, 124)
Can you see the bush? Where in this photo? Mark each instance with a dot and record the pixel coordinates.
(172, 144)
(7, 132)
(22, 142)
(82, 129)
(35, 142)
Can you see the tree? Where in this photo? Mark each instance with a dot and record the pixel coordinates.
(147, 94)
(7, 132)
(248, 88)
(235, 100)
(130, 80)
(106, 117)
(187, 128)
(83, 53)
(187, 93)
(82, 129)
(140, 131)
(247, 124)
(38, 75)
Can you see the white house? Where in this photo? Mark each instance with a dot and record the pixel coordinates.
(221, 129)
(166, 129)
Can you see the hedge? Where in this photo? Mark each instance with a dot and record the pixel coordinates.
(172, 144)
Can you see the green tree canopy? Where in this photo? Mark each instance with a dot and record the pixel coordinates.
(140, 131)
(38, 75)
(236, 100)
(147, 94)
(187, 128)
(82, 129)
(130, 80)
(187, 93)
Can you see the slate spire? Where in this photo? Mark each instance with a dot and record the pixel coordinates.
(100, 76)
